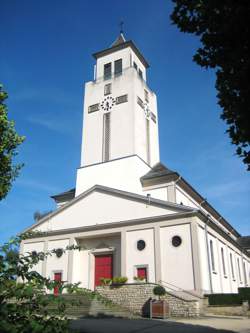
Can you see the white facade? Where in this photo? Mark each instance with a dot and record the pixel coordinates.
(130, 214)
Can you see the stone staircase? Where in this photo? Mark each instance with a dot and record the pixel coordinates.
(93, 305)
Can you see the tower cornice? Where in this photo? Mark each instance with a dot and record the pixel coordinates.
(121, 46)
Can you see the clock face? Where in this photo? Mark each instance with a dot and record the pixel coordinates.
(146, 111)
(107, 103)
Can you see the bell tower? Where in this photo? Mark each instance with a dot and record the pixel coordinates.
(120, 110)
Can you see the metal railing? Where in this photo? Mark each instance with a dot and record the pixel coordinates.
(173, 287)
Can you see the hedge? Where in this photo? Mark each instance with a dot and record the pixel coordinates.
(230, 299)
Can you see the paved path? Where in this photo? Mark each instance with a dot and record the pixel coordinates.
(206, 325)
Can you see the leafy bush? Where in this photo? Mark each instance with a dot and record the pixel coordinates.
(159, 291)
(24, 307)
(105, 281)
(224, 299)
(120, 279)
(139, 279)
(244, 293)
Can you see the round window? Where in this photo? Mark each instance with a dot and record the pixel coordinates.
(59, 252)
(34, 253)
(141, 245)
(176, 241)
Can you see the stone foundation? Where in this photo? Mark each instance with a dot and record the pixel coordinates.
(136, 297)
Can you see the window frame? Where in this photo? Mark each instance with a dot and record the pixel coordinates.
(108, 75)
(107, 89)
(118, 67)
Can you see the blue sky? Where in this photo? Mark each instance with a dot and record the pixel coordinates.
(45, 58)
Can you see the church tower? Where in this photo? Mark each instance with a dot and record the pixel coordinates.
(120, 110)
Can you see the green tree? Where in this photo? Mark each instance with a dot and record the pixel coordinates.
(24, 306)
(223, 28)
(9, 141)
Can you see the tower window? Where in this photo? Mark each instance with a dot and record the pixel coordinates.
(118, 67)
(121, 99)
(93, 108)
(153, 117)
(106, 136)
(139, 101)
(107, 71)
(146, 95)
(140, 73)
(135, 65)
(107, 89)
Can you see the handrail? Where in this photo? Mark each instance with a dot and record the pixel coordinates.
(179, 289)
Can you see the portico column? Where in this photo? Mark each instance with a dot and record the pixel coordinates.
(70, 260)
(123, 253)
(157, 254)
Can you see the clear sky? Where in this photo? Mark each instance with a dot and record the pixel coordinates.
(45, 58)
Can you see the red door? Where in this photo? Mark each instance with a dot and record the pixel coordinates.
(57, 277)
(142, 273)
(103, 268)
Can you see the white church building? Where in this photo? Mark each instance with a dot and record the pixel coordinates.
(131, 214)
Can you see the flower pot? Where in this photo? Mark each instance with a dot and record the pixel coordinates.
(159, 309)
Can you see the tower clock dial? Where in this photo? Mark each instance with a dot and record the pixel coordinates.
(107, 103)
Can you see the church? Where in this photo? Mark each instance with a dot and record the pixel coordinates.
(131, 214)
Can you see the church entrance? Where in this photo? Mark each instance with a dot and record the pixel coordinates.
(103, 267)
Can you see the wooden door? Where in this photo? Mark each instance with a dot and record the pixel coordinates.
(103, 268)
(57, 277)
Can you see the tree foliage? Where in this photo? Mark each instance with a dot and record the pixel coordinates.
(24, 307)
(9, 141)
(223, 28)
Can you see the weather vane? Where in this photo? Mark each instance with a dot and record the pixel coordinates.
(121, 26)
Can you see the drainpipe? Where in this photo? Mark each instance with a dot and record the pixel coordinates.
(208, 257)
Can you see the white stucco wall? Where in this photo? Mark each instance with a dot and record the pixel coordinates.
(34, 246)
(98, 208)
(177, 262)
(55, 264)
(123, 174)
(135, 258)
(221, 283)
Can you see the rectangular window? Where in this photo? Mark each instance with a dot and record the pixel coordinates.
(121, 99)
(223, 262)
(139, 101)
(135, 65)
(93, 108)
(107, 71)
(140, 73)
(146, 95)
(153, 117)
(118, 67)
(142, 273)
(107, 89)
(212, 255)
(238, 262)
(245, 273)
(232, 266)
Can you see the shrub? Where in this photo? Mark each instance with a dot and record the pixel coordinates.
(24, 307)
(120, 279)
(244, 293)
(139, 279)
(224, 299)
(105, 281)
(159, 291)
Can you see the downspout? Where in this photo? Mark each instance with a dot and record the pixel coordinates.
(208, 258)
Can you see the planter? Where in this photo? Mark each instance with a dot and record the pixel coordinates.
(159, 309)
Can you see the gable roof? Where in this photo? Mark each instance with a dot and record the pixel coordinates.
(119, 40)
(161, 174)
(67, 195)
(119, 193)
(158, 170)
